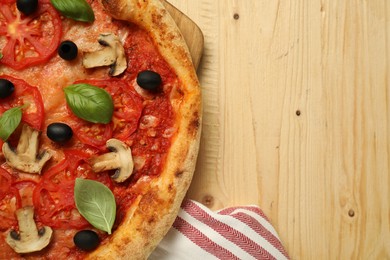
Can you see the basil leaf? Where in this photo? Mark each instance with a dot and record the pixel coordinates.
(1, 55)
(9, 121)
(96, 203)
(90, 103)
(78, 10)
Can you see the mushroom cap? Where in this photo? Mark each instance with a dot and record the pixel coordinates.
(29, 239)
(26, 158)
(112, 54)
(120, 159)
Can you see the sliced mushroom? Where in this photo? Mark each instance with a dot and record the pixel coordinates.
(119, 158)
(112, 54)
(29, 239)
(26, 157)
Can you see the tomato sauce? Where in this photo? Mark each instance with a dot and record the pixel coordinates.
(144, 121)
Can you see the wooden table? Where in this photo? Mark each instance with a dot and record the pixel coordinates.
(297, 119)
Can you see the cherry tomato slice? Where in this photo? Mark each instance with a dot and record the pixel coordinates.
(14, 194)
(8, 205)
(149, 141)
(5, 182)
(30, 40)
(128, 106)
(24, 94)
(53, 197)
(95, 135)
(56, 208)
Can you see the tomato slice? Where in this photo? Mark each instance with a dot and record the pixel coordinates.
(148, 141)
(53, 197)
(95, 135)
(14, 194)
(8, 205)
(5, 182)
(9, 201)
(24, 94)
(25, 189)
(32, 39)
(128, 105)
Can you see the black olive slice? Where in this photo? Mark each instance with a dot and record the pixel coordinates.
(6, 88)
(27, 7)
(149, 80)
(59, 132)
(68, 50)
(86, 240)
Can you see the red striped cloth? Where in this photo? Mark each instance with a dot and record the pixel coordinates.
(231, 233)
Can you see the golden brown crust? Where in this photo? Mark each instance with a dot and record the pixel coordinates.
(153, 213)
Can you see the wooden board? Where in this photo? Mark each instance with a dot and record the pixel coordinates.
(190, 31)
(297, 119)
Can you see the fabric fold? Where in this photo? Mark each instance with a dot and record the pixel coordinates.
(232, 233)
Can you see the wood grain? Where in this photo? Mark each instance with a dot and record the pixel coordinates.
(297, 119)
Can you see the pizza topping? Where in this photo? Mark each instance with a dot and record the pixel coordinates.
(5, 182)
(27, 6)
(149, 80)
(90, 103)
(139, 162)
(26, 157)
(6, 88)
(54, 195)
(78, 10)
(148, 121)
(59, 132)
(29, 40)
(27, 97)
(119, 159)
(86, 240)
(112, 54)
(68, 50)
(9, 121)
(169, 132)
(29, 239)
(128, 106)
(96, 203)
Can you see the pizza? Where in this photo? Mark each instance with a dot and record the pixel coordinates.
(100, 119)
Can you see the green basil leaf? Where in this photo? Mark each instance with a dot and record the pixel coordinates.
(96, 203)
(90, 103)
(1, 55)
(9, 121)
(78, 10)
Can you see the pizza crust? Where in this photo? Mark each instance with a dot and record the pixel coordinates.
(153, 213)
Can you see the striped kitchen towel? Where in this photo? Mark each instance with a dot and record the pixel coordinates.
(232, 233)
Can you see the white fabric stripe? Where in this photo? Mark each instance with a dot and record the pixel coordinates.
(260, 219)
(264, 222)
(215, 236)
(250, 233)
(176, 246)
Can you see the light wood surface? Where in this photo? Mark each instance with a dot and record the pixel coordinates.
(297, 119)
